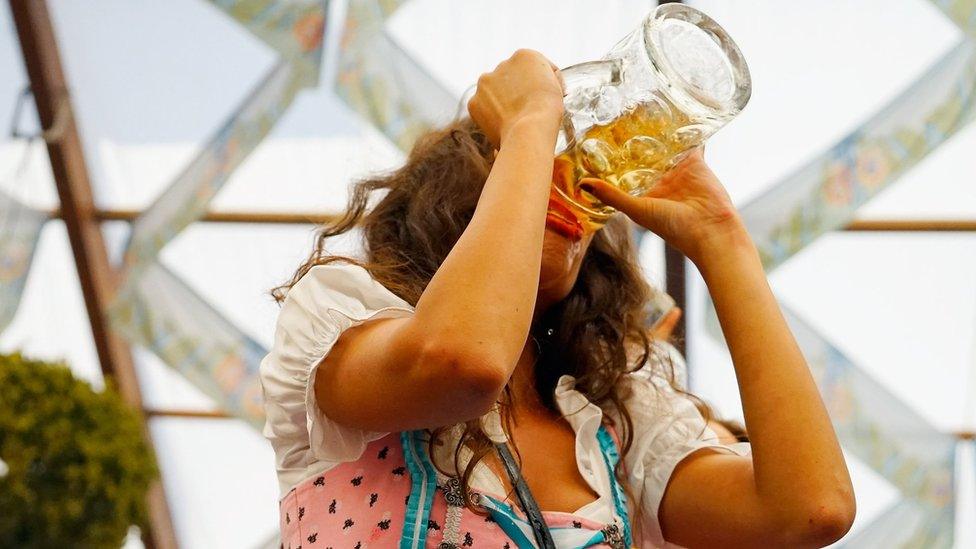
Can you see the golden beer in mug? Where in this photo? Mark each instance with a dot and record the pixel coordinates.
(632, 116)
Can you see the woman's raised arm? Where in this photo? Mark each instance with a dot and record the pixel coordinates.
(450, 361)
(795, 490)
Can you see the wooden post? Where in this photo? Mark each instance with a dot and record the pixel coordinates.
(675, 283)
(674, 266)
(98, 281)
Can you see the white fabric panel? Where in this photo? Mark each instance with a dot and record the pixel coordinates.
(818, 70)
(220, 481)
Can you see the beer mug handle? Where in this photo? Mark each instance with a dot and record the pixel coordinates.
(575, 77)
(582, 76)
(591, 74)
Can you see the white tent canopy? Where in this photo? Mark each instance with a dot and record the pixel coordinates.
(151, 81)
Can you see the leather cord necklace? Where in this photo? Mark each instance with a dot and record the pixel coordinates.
(539, 528)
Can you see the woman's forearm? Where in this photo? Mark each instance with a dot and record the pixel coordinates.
(798, 463)
(483, 295)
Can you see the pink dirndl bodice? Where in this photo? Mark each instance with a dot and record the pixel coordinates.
(392, 497)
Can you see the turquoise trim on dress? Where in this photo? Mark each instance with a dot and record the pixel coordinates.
(423, 490)
(611, 456)
(599, 537)
(520, 531)
(508, 521)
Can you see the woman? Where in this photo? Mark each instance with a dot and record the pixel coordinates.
(482, 323)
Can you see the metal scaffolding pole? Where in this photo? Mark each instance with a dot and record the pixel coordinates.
(98, 280)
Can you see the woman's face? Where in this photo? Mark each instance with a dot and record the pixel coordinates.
(563, 249)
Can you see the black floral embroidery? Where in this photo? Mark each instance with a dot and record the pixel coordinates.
(348, 523)
(301, 513)
(357, 481)
(506, 546)
(332, 507)
(372, 499)
(384, 524)
(313, 537)
(399, 471)
(577, 524)
(468, 540)
(383, 452)
(319, 481)
(452, 493)
(489, 518)
(432, 525)
(359, 545)
(287, 519)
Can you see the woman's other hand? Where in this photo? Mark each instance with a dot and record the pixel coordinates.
(524, 86)
(688, 207)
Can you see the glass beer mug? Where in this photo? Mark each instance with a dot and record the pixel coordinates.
(659, 93)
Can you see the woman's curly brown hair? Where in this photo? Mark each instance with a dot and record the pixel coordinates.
(596, 334)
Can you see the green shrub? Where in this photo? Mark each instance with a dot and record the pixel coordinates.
(78, 466)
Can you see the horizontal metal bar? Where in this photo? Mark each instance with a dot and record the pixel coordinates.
(189, 414)
(913, 225)
(309, 218)
(272, 218)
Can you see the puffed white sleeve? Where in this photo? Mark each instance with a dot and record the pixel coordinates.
(667, 428)
(328, 300)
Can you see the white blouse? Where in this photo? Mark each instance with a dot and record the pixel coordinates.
(330, 299)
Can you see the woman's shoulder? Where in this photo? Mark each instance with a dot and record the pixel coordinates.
(341, 287)
(328, 300)
(343, 278)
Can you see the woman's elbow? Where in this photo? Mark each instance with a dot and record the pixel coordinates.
(474, 380)
(827, 520)
(830, 523)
